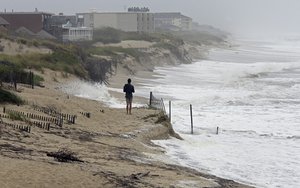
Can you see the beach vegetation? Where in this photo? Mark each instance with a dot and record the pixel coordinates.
(17, 116)
(108, 35)
(77, 57)
(9, 97)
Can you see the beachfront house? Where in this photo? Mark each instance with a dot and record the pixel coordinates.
(65, 28)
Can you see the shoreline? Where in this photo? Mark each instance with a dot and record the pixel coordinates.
(149, 75)
(113, 146)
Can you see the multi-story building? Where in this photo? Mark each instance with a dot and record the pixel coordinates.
(172, 21)
(125, 21)
(32, 21)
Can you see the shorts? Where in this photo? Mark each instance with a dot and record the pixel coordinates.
(128, 100)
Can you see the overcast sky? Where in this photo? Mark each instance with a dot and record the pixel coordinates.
(236, 16)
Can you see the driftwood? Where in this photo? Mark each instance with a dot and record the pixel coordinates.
(138, 176)
(64, 155)
(132, 181)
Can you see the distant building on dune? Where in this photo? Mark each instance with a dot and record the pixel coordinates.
(70, 33)
(173, 21)
(125, 21)
(65, 28)
(35, 22)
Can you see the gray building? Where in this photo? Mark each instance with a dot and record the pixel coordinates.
(125, 21)
(172, 21)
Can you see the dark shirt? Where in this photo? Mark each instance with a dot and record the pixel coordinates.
(128, 89)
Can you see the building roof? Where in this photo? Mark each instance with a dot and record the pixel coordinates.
(45, 34)
(9, 13)
(3, 21)
(113, 13)
(168, 15)
(24, 30)
(185, 17)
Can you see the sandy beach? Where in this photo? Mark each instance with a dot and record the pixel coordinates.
(114, 149)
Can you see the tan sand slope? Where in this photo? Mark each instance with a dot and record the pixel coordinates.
(113, 146)
(14, 48)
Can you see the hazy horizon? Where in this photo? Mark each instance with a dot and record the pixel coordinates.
(242, 17)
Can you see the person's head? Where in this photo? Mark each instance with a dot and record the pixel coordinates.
(129, 80)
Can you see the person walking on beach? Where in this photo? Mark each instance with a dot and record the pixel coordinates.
(128, 89)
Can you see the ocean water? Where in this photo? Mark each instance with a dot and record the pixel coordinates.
(93, 91)
(252, 93)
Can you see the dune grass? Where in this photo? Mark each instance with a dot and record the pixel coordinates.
(9, 97)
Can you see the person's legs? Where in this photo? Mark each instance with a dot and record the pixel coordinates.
(127, 105)
(130, 105)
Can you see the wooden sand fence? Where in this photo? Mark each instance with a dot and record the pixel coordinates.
(60, 116)
(157, 103)
(25, 128)
(46, 120)
(15, 77)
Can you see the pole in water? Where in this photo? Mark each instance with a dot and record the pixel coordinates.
(150, 102)
(192, 126)
(170, 111)
(217, 130)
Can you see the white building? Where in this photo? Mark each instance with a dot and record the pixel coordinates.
(125, 21)
(76, 33)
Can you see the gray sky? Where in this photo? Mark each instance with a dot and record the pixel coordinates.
(236, 16)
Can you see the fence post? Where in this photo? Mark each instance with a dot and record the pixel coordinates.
(32, 80)
(192, 126)
(150, 102)
(217, 130)
(170, 111)
(15, 84)
(163, 106)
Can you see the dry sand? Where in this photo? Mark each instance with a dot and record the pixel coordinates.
(14, 48)
(115, 148)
